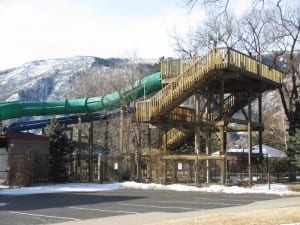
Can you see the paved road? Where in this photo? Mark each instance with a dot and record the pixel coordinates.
(54, 208)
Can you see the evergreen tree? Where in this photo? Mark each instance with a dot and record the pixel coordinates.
(59, 149)
(157, 65)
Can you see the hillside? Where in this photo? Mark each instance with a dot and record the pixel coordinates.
(51, 79)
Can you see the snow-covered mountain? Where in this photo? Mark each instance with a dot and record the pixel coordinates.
(49, 79)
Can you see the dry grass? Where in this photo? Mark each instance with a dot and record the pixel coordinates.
(294, 187)
(262, 217)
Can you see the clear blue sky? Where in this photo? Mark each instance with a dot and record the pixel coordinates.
(42, 29)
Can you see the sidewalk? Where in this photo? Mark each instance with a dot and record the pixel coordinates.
(155, 217)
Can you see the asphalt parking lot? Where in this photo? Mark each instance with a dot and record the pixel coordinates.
(54, 208)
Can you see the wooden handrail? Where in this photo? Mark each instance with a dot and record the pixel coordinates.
(244, 62)
(192, 71)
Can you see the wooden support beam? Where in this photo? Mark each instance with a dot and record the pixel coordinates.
(197, 135)
(245, 114)
(149, 138)
(172, 124)
(222, 132)
(165, 149)
(242, 128)
(200, 157)
(244, 122)
(221, 98)
(165, 140)
(223, 153)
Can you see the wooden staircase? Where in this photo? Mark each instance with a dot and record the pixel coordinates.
(198, 75)
(232, 104)
(175, 136)
(183, 86)
(186, 77)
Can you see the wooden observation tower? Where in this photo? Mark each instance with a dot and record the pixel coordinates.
(222, 82)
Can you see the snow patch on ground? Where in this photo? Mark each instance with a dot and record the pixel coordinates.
(60, 188)
(277, 189)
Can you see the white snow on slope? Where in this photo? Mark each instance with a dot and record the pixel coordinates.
(29, 75)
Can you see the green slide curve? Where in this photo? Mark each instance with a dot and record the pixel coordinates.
(146, 85)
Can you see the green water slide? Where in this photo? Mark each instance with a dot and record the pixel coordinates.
(146, 85)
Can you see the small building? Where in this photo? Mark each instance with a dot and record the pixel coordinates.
(240, 165)
(23, 159)
(267, 151)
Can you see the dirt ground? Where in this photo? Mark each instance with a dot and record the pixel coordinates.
(262, 217)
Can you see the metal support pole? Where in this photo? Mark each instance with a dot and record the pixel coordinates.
(208, 140)
(106, 133)
(121, 130)
(138, 158)
(208, 152)
(79, 151)
(260, 141)
(249, 142)
(76, 165)
(149, 171)
(223, 153)
(268, 172)
(165, 143)
(91, 141)
(99, 169)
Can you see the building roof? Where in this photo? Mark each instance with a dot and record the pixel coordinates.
(28, 136)
(266, 150)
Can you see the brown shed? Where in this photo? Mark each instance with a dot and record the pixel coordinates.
(23, 159)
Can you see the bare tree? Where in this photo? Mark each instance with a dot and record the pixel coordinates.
(220, 6)
(253, 32)
(217, 29)
(273, 127)
(90, 83)
(289, 24)
(272, 27)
